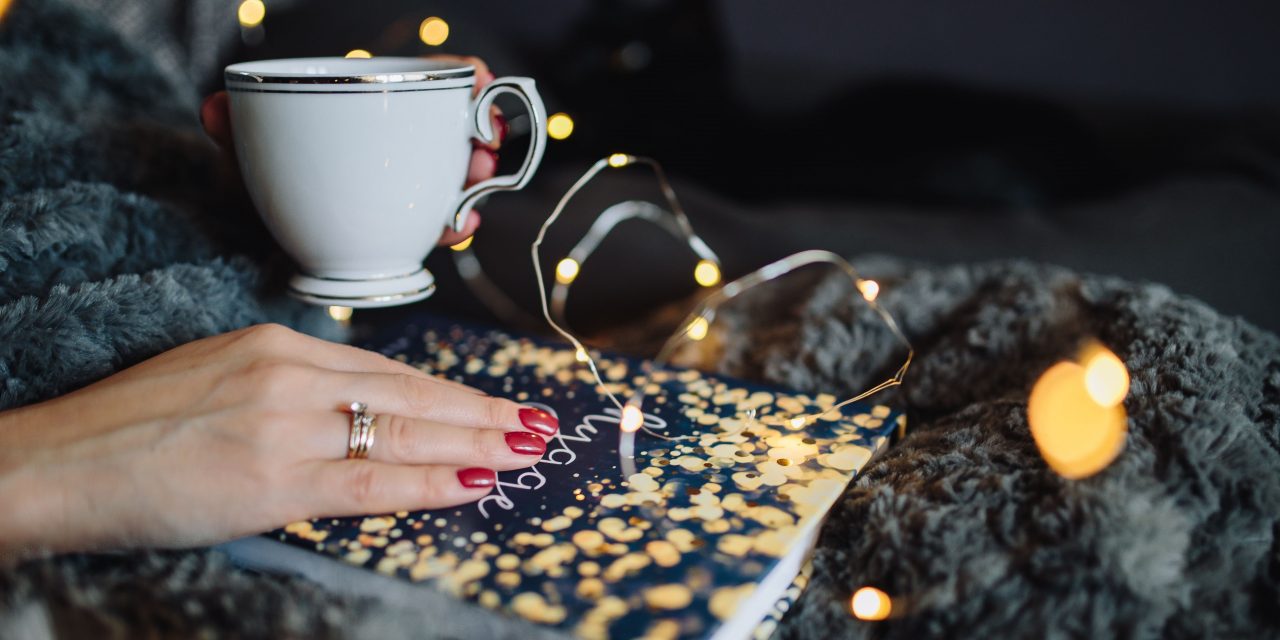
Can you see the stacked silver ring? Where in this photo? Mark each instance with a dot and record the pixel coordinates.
(360, 438)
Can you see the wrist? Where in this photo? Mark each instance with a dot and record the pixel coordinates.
(32, 496)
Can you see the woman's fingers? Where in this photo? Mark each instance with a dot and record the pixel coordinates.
(483, 75)
(360, 487)
(215, 116)
(451, 237)
(484, 163)
(414, 397)
(402, 440)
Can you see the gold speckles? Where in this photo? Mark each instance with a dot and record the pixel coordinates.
(589, 569)
(880, 411)
(590, 588)
(431, 566)
(298, 527)
(625, 566)
(530, 605)
(642, 482)
(784, 462)
(733, 502)
(595, 623)
(691, 463)
(558, 523)
(725, 450)
(306, 531)
(573, 512)
(507, 562)
(551, 558)
(507, 579)
(715, 526)
(668, 596)
(468, 571)
(372, 541)
(377, 524)
(613, 500)
(589, 540)
(769, 516)
(725, 600)
(683, 539)
(617, 529)
(490, 599)
(524, 538)
(734, 545)
(359, 556)
(664, 553)
(846, 457)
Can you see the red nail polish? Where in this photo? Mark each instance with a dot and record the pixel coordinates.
(493, 154)
(539, 421)
(476, 477)
(526, 443)
(502, 128)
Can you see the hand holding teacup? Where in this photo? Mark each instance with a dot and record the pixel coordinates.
(357, 165)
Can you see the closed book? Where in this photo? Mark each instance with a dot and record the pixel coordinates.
(700, 535)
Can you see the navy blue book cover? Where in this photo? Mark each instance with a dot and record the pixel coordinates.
(677, 548)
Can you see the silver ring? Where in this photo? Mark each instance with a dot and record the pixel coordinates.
(360, 436)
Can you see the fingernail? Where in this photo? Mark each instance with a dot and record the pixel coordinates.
(539, 421)
(526, 443)
(477, 477)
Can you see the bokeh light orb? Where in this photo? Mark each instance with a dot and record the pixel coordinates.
(870, 603)
(559, 126)
(433, 31)
(1077, 436)
(251, 13)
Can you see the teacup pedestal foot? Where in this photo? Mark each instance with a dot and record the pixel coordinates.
(363, 294)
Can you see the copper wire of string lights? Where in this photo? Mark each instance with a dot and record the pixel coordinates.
(696, 324)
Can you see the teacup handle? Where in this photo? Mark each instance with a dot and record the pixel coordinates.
(482, 129)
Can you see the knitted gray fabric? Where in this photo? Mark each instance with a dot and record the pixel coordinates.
(115, 245)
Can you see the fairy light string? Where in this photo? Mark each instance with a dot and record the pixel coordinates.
(696, 324)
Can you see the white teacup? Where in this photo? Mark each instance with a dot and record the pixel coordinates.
(357, 165)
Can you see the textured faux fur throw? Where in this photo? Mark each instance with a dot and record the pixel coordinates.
(116, 244)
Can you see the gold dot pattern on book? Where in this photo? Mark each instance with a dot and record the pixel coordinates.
(743, 484)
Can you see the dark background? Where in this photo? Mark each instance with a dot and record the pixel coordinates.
(1140, 139)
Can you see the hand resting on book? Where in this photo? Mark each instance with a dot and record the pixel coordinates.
(244, 432)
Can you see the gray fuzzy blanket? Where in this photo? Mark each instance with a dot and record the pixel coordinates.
(116, 243)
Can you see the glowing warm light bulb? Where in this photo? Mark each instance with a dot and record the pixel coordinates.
(706, 273)
(4, 8)
(870, 289)
(341, 314)
(870, 603)
(1076, 435)
(566, 270)
(251, 13)
(581, 355)
(559, 126)
(462, 246)
(433, 31)
(358, 53)
(632, 418)
(698, 328)
(1105, 377)
(619, 160)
